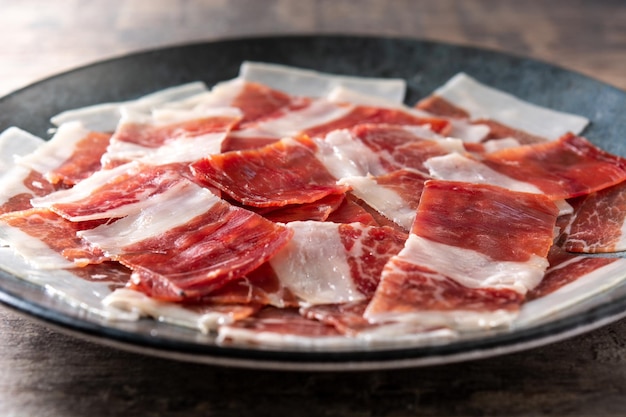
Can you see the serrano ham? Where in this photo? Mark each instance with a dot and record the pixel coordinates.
(504, 114)
(276, 175)
(295, 208)
(598, 222)
(466, 264)
(189, 244)
(334, 263)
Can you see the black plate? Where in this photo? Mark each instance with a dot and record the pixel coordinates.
(424, 65)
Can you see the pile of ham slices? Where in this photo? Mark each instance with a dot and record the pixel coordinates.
(299, 209)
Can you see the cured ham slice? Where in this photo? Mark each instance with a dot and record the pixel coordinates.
(255, 101)
(105, 117)
(169, 136)
(259, 287)
(466, 264)
(562, 169)
(599, 222)
(570, 279)
(115, 193)
(276, 175)
(506, 115)
(303, 82)
(48, 241)
(317, 118)
(189, 244)
(568, 167)
(71, 155)
(377, 149)
(19, 184)
(402, 147)
(334, 263)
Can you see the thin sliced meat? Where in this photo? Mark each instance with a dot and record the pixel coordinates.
(562, 169)
(47, 240)
(473, 252)
(304, 82)
(170, 135)
(20, 185)
(378, 115)
(568, 167)
(564, 269)
(260, 287)
(190, 244)
(85, 287)
(405, 146)
(115, 192)
(334, 263)
(377, 149)
(570, 280)
(72, 154)
(598, 224)
(348, 319)
(498, 223)
(277, 175)
(507, 116)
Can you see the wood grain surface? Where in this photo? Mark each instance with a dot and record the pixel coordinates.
(47, 373)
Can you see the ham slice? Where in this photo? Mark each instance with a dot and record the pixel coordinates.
(303, 82)
(598, 224)
(561, 169)
(48, 241)
(506, 115)
(465, 264)
(19, 183)
(334, 263)
(569, 281)
(281, 327)
(115, 193)
(377, 149)
(189, 244)
(72, 154)
(276, 175)
(169, 136)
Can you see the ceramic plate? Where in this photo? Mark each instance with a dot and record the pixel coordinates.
(425, 66)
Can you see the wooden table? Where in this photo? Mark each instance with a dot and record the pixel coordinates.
(46, 373)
